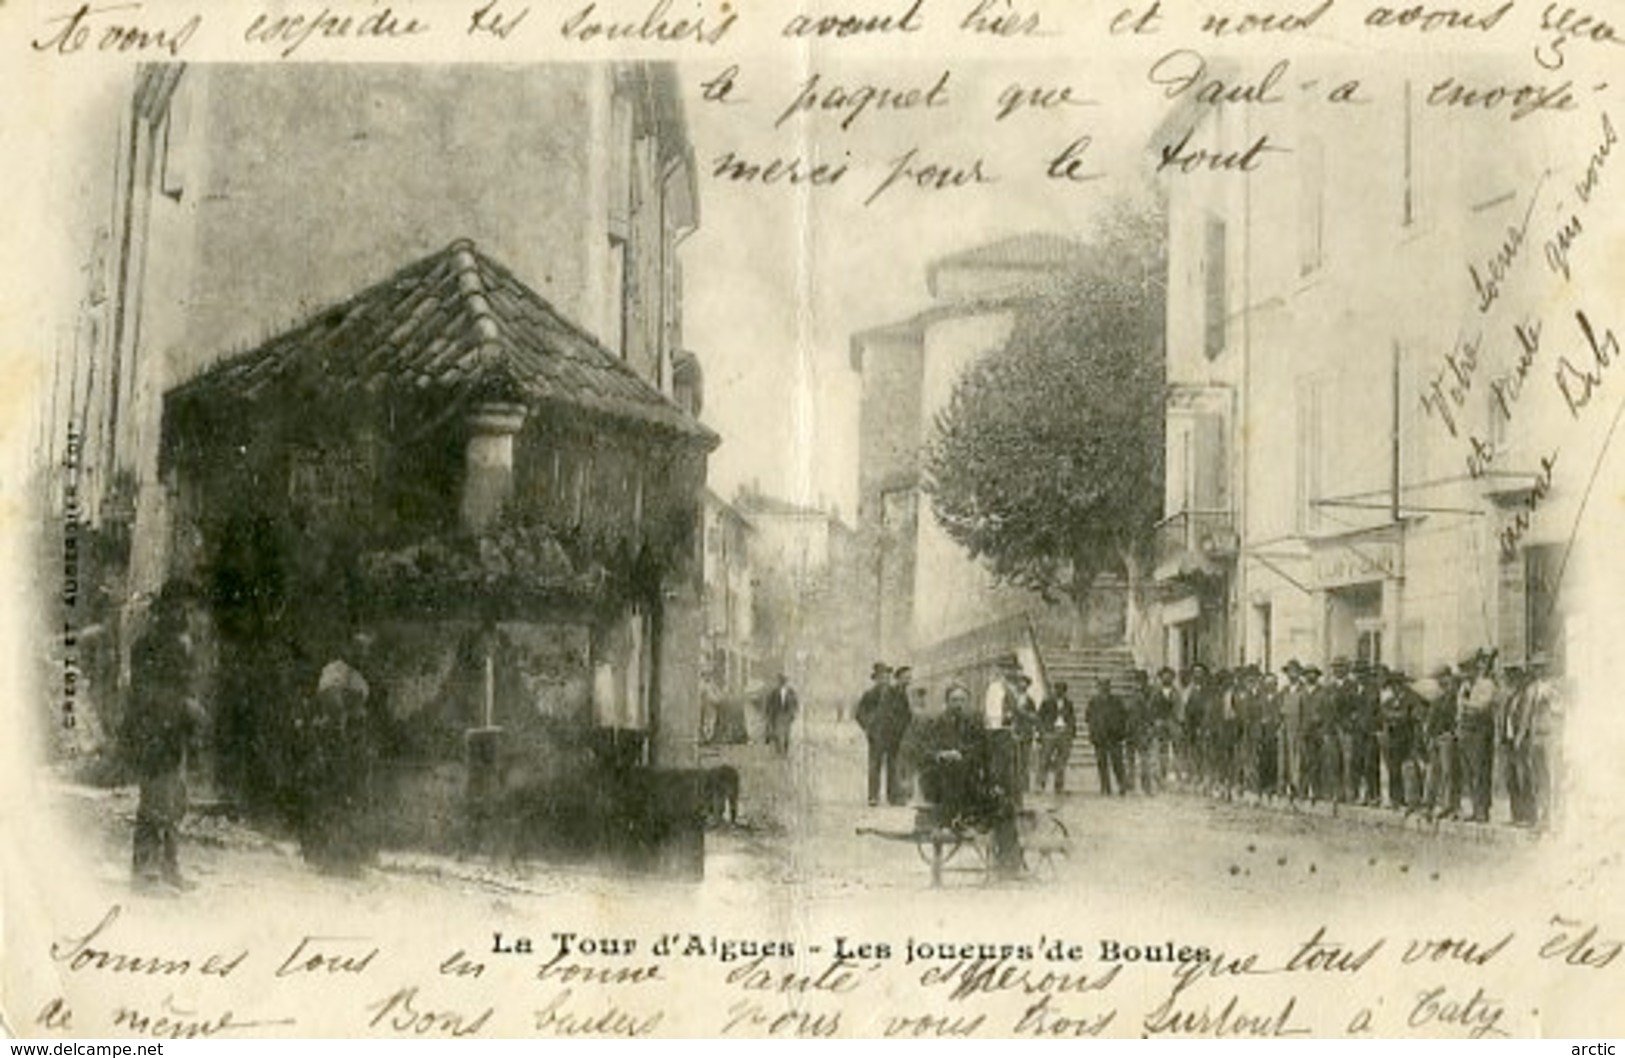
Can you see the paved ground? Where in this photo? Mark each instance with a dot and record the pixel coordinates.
(1205, 846)
(799, 820)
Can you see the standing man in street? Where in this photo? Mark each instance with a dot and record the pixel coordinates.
(1443, 794)
(162, 723)
(1106, 720)
(883, 715)
(1339, 747)
(999, 703)
(1057, 727)
(903, 692)
(1480, 704)
(1394, 738)
(1026, 732)
(1144, 735)
(779, 710)
(1512, 732)
(1289, 738)
(1320, 738)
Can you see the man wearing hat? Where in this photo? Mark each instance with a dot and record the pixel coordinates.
(1339, 747)
(1289, 739)
(1328, 754)
(1394, 707)
(1057, 727)
(1512, 733)
(1106, 720)
(884, 724)
(1367, 762)
(1443, 789)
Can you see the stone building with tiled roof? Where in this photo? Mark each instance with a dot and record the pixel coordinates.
(504, 445)
(446, 461)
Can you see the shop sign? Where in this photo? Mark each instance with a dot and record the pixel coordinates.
(1342, 564)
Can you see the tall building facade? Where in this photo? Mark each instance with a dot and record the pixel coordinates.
(1354, 432)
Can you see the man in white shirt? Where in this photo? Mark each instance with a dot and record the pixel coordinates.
(998, 716)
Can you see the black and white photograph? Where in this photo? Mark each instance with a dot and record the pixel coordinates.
(998, 520)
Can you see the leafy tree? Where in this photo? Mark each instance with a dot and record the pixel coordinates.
(1047, 461)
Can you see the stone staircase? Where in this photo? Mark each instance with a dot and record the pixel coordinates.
(1079, 668)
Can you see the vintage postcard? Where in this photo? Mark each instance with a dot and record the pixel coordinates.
(831, 518)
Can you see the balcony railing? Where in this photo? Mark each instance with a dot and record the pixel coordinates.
(1204, 535)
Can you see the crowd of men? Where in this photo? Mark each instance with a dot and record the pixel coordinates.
(1361, 734)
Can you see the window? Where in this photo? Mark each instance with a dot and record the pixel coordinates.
(1543, 564)
(1198, 473)
(1214, 299)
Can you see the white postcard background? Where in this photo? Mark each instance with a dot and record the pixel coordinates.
(826, 261)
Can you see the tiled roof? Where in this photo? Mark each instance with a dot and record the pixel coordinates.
(456, 322)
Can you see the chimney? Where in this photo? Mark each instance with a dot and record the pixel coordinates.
(488, 463)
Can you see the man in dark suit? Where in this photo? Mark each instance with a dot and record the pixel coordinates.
(1057, 727)
(884, 715)
(1106, 720)
(779, 711)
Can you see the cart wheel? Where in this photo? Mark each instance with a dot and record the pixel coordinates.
(935, 849)
(1044, 839)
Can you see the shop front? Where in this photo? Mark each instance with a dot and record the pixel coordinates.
(1358, 578)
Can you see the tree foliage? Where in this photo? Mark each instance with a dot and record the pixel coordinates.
(1047, 461)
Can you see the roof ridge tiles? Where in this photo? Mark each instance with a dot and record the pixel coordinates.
(456, 318)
